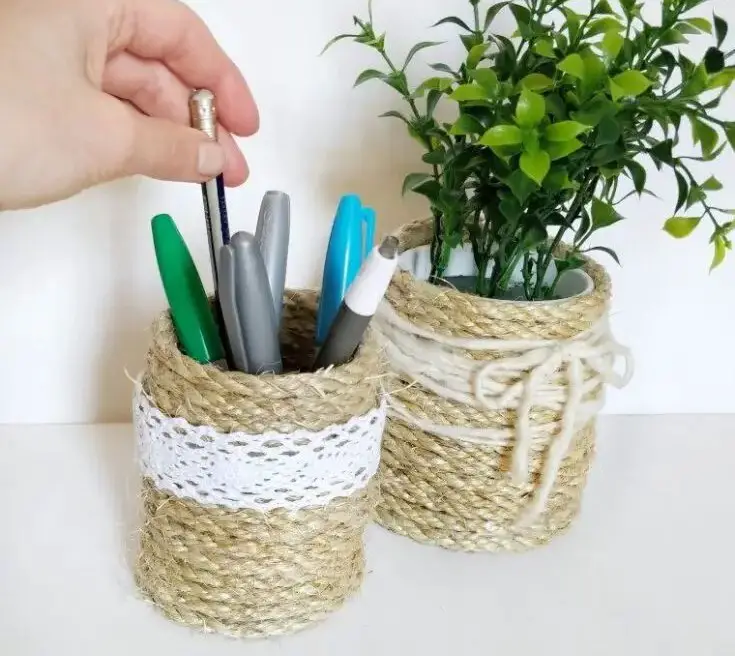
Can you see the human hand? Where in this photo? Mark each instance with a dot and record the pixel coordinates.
(94, 90)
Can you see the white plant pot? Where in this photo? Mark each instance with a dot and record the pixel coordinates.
(462, 269)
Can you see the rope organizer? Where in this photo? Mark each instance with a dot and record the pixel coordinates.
(491, 411)
(256, 489)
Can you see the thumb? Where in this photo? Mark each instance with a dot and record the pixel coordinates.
(161, 149)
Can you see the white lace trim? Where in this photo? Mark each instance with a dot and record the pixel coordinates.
(257, 472)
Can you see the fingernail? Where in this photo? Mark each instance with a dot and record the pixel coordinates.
(211, 159)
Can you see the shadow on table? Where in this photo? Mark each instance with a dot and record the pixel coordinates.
(117, 458)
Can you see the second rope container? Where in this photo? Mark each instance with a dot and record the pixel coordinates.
(256, 489)
(492, 409)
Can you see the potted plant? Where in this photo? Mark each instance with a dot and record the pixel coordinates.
(497, 325)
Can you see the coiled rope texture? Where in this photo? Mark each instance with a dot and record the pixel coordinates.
(491, 428)
(242, 572)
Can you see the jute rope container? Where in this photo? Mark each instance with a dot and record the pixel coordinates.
(256, 489)
(490, 431)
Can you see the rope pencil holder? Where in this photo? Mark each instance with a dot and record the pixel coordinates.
(256, 490)
(491, 412)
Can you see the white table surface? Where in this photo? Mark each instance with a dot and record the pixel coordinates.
(648, 568)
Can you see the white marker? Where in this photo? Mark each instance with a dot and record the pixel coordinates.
(359, 305)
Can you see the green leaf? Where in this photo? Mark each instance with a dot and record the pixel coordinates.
(476, 54)
(545, 48)
(531, 141)
(595, 74)
(701, 24)
(502, 135)
(534, 236)
(682, 226)
(730, 134)
(523, 19)
(521, 185)
(340, 37)
(608, 251)
(414, 180)
(696, 195)
(537, 82)
(469, 41)
(443, 68)
(612, 44)
(603, 214)
(724, 78)
(563, 149)
(397, 80)
(712, 184)
(438, 83)
(467, 124)
(454, 20)
(721, 30)
(531, 109)
(432, 100)
(556, 107)
(638, 175)
(492, 13)
(486, 78)
(536, 165)
(602, 26)
(565, 131)
(510, 208)
(574, 66)
(608, 155)
(683, 187)
(558, 180)
(418, 48)
(370, 74)
(395, 114)
(721, 248)
(568, 263)
(714, 60)
(629, 84)
(608, 131)
(705, 135)
(696, 83)
(468, 92)
(662, 152)
(672, 37)
(687, 28)
(573, 23)
(595, 110)
(435, 156)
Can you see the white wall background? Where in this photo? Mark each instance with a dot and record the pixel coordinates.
(78, 280)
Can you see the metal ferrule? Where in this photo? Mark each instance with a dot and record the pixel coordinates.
(203, 112)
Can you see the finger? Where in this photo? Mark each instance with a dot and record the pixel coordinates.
(156, 91)
(169, 31)
(156, 147)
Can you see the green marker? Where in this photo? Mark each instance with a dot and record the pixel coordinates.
(190, 310)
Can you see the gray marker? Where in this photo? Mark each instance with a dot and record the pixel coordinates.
(228, 303)
(359, 305)
(255, 307)
(272, 234)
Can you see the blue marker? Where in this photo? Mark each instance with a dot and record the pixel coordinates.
(353, 234)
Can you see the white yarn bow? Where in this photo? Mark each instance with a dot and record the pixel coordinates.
(527, 378)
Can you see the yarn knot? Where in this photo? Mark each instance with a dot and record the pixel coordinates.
(526, 376)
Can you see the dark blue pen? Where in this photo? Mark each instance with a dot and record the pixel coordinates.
(204, 117)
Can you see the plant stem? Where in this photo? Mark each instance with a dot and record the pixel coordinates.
(582, 198)
(437, 242)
